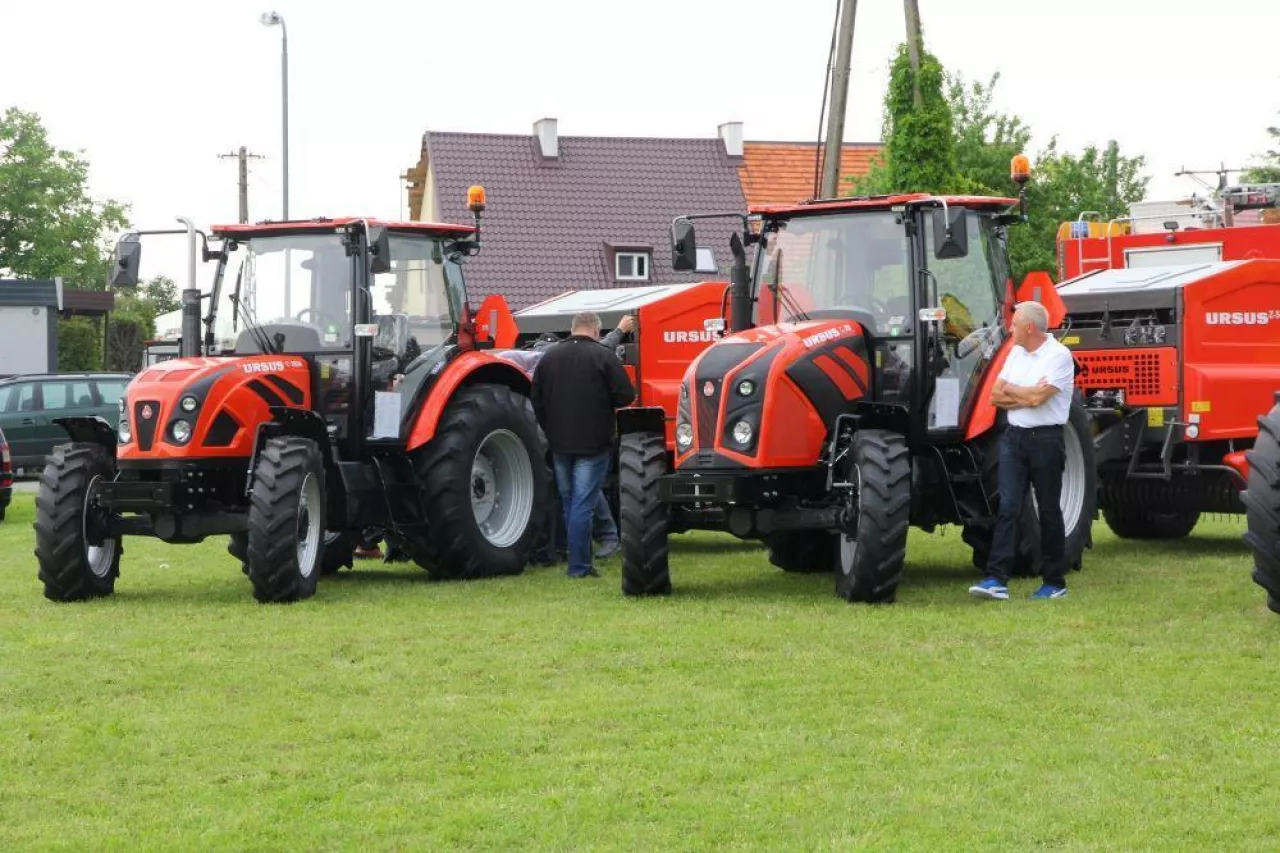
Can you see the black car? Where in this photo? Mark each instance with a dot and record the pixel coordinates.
(6, 476)
(29, 403)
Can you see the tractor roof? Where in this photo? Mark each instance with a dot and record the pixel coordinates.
(880, 202)
(328, 226)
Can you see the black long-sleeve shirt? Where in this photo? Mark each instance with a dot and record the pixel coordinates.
(576, 387)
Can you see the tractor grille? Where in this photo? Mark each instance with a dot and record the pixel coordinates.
(1148, 377)
(146, 414)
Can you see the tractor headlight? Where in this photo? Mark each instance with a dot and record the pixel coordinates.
(181, 431)
(746, 388)
(125, 431)
(684, 435)
(743, 433)
(189, 404)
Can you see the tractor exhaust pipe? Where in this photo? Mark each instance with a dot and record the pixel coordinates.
(189, 346)
(739, 287)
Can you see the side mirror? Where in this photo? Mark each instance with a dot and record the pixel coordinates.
(950, 234)
(379, 251)
(684, 246)
(127, 261)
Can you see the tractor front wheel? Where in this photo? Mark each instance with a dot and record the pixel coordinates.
(286, 521)
(1134, 523)
(68, 523)
(1262, 506)
(339, 551)
(869, 563)
(643, 520)
(802, 552)
(485, 484)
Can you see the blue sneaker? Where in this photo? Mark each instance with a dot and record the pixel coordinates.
(1050, 591)
(990, 588)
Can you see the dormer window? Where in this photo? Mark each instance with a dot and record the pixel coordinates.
(631, 266)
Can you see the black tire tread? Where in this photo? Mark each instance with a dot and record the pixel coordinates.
(1135, 523)
(452, 547)
(1262, 506)
(884, 518)
(272, 554)
(60, 545)
(644, 521)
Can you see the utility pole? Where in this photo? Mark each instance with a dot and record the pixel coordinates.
(839, 100)
(243, 156)
(912, 8)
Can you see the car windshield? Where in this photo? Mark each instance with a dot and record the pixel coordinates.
(845, 265)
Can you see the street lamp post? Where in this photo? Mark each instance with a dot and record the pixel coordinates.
(271, 19)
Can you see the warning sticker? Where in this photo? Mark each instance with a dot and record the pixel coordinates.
(1200, 406)
(1071, 340)
(1155, 417)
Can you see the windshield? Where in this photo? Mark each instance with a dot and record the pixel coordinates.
(848, 265)
(300, 286)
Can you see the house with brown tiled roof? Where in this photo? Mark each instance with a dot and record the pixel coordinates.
(784, 172)
(587, 212)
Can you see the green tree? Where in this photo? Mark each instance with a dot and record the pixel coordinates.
(1269, 170)
(79, 345)
(49, 224)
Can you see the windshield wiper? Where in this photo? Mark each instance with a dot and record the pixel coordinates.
(250, 322)
(781, 294)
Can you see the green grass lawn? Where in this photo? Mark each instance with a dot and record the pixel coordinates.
(752, 710)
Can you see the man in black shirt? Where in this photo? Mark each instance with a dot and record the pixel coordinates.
(576, 387)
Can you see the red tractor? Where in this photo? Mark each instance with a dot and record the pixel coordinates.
(850, 400)
(339, 385)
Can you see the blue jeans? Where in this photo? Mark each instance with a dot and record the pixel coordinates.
(578, 479)
(604, 530)
(1034, 457)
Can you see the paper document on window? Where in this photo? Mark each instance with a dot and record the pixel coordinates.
(946, 402)
(386, 414)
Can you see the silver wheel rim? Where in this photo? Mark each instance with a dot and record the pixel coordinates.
(310, 533)
(1074, 478)
(98, 557)
(849, 544)
(502, 488)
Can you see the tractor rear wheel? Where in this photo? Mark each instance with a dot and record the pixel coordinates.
(804, 552)
(484, 482)
(1079, 502)
(1133, 523)
(286, 521)
(1262, 506)
(643, 520)
(869, 564)
(68, 519)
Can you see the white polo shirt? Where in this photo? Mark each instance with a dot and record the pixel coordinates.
(1052, 362)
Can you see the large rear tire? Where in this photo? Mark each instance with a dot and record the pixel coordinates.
(484, 481)
(66, 519)
(1134, 523)
(1262, 506)
(644, 521)
(1079, 503)
(802, 552)
(869, 564)
(286, 521)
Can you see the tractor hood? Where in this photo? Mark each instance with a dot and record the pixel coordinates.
(764, 397)
(225, 400)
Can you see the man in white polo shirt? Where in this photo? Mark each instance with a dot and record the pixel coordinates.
(1035, 388)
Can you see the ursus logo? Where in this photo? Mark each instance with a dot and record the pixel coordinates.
(688, 336)
(1240, 318)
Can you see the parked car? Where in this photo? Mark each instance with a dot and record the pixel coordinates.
(29, 403)
(6, 476)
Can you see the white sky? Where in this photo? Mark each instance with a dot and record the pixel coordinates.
(153, 91)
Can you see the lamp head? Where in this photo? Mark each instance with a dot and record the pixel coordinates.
(270, 19)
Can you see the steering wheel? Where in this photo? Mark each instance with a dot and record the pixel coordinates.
(319, 316)
(973, 340)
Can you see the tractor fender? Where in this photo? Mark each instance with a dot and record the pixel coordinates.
(642, 419)
(89, 430)
(303, 423)
(470, 368)
(984, 411)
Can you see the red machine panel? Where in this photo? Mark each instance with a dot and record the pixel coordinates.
(1148, 377)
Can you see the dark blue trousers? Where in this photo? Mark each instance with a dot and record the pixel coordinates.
(1036, 457)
